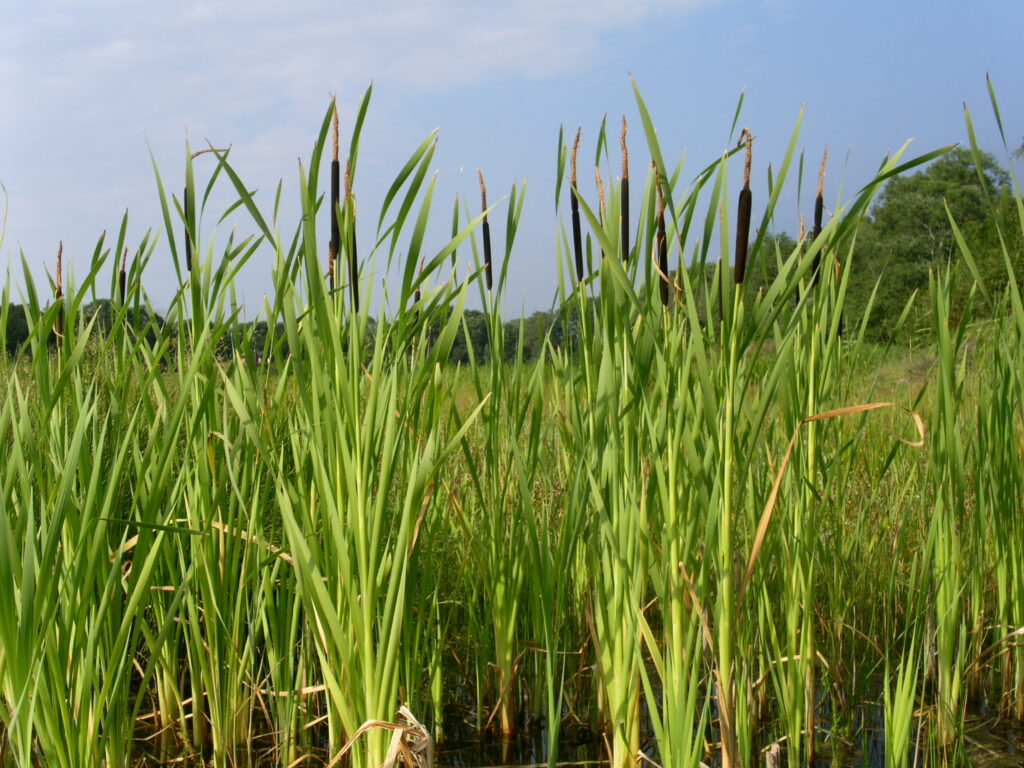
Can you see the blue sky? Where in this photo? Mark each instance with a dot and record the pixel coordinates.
(85, 85)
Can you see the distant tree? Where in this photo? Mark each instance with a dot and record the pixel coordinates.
(908, 232)
(16, 332)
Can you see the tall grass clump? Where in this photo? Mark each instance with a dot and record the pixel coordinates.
(233, 543)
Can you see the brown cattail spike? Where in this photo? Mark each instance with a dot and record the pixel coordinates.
(577, 236)
(662, 243)
(802, 231)
(819, 209)
(332, 253)
(743, 214)
(624, 201)
(122, 278)
(488, 274)
(600, 199)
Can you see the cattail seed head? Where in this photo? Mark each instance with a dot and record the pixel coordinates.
(488, 272)
(819, 200)
(122, 278)
(577, 235)
(743, 214)
(662, 242)
(332, 252)
(819, 209)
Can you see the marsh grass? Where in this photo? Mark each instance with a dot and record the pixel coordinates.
(658, 532)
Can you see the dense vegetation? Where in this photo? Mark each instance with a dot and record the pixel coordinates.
(656, 531)
(904, 238)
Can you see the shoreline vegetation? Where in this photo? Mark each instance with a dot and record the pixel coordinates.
(732, 502)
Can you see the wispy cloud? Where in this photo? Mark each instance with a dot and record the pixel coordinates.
(261, 51)
(83, 82)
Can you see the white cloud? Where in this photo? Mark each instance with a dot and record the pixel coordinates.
(81, 83)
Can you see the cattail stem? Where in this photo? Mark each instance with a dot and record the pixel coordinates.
(662, 243)
(122, 277)
(58, 296)
(487, 233)
(353, 257)
(577, 237)
(624, 201)
(332, 252)
(743, 214)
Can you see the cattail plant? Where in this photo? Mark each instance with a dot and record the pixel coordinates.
(661, 243)
(743, 214)
(332, 252)
(624, 202)
(58, 296)
(487, 230)
(577, 239)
